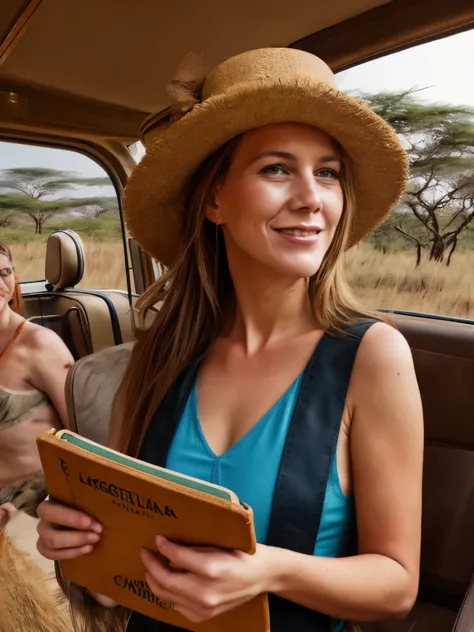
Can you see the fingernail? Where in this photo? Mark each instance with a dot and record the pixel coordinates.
(94, 537)
(97, 527)
(159, 541)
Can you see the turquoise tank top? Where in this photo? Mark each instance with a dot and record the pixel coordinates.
(250, 469)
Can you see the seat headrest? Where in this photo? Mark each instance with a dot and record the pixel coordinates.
(64, 259)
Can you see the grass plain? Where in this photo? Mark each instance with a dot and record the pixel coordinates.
(388, 281)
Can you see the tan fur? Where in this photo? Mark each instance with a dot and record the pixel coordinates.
(27, 602)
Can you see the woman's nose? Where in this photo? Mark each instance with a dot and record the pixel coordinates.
(306, 196)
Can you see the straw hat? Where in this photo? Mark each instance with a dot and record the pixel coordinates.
(257, 88)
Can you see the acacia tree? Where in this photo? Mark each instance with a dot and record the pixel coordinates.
(6, 218)
(96, 207)
(440, 192)
(9, 206)
(37, 189)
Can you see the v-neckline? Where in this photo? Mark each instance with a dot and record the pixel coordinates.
(260, 421)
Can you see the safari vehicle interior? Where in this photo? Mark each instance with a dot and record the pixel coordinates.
(86, 75)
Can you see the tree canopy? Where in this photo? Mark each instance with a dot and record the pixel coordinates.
(34, 192)
(440, 194)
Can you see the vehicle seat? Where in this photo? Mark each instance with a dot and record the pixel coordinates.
(71, 327)
(87, 320)
(443, 353)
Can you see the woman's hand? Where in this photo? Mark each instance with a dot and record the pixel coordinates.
(206, 581)
(65, 533)
(7, 511)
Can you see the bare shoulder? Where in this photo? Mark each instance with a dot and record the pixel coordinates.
(383, 348)
(40, 340)
(384, 366)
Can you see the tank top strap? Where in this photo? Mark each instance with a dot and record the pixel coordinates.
(10, 344)
(310, 446)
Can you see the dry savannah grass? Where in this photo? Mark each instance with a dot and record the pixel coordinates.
(380, 280)
(104, 263)
(391, 281)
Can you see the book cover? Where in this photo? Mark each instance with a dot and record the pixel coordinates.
(135, 502)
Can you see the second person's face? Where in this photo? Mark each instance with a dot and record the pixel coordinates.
(7, 281)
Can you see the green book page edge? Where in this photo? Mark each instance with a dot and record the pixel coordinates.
(123, 459)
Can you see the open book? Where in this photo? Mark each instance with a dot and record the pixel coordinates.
(135, 501)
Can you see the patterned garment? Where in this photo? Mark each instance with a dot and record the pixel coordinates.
(25, 495)
(18, 406)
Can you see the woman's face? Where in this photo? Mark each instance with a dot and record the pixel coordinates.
(281, 200)
(7, 281)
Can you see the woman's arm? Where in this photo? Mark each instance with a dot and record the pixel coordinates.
(382, 580)
(49, 362)
(386, 451)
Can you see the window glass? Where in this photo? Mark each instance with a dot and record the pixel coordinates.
(422, 258)
(137, 150)
(44, 189)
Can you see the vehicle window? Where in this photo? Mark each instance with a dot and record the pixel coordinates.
(44, 189)
(137, 150)
(422, 258)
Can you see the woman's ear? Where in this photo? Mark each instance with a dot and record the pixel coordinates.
(213, 212)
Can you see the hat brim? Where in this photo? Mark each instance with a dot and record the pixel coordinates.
(153, 203)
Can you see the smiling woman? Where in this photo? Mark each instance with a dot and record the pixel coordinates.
(263, 205)
(259, 370)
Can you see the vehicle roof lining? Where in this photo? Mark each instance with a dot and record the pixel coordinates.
(64, 81)
(117, 53)
(9, 9)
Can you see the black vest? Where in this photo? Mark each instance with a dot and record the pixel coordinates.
(304, 468)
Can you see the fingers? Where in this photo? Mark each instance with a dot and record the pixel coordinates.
(198, 560)
(62, 554)
(6, 512)
(192, 598)
(168, 580)
(55, 538)
(64, 516)
(65, 533)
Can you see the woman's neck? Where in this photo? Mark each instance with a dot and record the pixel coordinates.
(269, 308)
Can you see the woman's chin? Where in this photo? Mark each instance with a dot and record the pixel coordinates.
(299, 269)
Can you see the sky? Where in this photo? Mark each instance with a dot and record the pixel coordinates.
(444, 67)
(17, 155)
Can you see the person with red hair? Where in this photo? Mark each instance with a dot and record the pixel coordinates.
(33, 367)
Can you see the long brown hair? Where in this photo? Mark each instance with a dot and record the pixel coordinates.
(190, 298)
(15, 302)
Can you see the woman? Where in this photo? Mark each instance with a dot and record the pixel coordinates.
(33, 367)
(286, 390)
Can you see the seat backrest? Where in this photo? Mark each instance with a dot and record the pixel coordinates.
(100, 319)
(443, 353)
(65, 260)
(71, 327)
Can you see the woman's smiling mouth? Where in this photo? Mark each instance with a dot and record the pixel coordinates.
(305, 235)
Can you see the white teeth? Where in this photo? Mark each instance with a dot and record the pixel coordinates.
(299, 233)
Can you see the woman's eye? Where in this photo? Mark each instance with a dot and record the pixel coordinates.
(327, 173)
(5, 273)
(274, 170)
